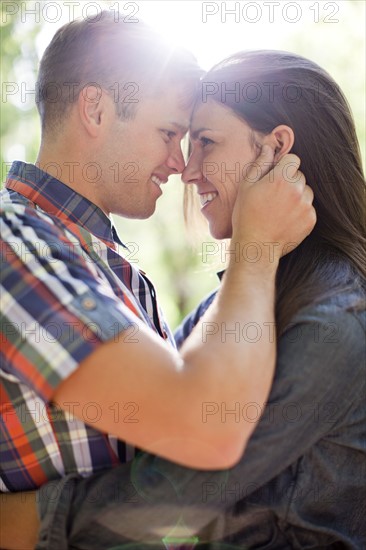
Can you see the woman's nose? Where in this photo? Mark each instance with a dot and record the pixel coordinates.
(193, 171)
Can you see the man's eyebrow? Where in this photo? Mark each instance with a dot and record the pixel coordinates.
(180, 127)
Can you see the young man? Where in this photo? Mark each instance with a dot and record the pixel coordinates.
(81, 326)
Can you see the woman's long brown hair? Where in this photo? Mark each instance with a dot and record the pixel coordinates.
(273, 88)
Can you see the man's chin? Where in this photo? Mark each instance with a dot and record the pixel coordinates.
(147, 213)
(138, 214)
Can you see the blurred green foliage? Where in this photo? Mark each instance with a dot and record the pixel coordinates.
(159, 246)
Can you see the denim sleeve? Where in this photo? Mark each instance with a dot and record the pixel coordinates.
(318, 386)
(320, 374)
(319, 380)
(187, 325)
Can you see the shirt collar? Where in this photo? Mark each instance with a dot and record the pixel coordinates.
(59, 200)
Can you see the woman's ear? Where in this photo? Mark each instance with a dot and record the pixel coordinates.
(281, 139)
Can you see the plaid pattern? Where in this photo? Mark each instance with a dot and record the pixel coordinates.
(66, 288)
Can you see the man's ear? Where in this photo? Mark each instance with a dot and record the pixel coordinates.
(94, 108)
(281, 139)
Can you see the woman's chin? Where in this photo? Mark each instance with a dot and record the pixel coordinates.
(221, 232)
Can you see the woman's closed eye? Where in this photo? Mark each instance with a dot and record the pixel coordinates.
(205, 141)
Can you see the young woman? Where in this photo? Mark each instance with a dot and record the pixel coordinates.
(303, 473)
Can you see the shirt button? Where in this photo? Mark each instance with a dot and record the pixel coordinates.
(89, 304)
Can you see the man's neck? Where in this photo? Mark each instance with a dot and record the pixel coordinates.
(68, 167)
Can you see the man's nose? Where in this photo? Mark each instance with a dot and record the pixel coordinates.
(176, 161)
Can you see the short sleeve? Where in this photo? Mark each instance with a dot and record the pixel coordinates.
(56, 307)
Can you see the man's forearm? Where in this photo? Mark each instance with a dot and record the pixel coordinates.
(232, 364)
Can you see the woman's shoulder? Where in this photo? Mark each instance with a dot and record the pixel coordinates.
(347, 308)
(325, 344)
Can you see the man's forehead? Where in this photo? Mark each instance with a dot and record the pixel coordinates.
(182, 127)
(169, 107)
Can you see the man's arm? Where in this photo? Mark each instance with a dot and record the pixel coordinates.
(168, 388)
(248, 369)
(320, 372)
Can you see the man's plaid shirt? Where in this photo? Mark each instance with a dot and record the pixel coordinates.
(65, 289)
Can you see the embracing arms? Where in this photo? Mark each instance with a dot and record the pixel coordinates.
(168, 388)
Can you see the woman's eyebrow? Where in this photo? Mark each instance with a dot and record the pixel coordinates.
(195, 133)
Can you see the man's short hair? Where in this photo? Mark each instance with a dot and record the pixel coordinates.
(124, 58)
